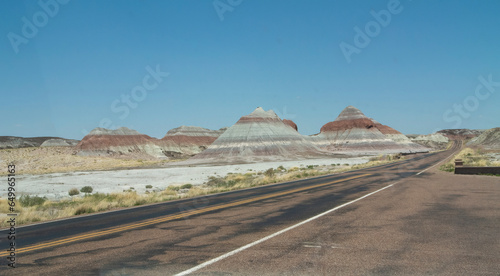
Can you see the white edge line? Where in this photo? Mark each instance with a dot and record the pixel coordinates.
(229, 254)
(439, 162)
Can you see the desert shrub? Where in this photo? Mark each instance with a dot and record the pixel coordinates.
(375, 158)
(269, 172)
(73, 192)
(27, 200)
(187, 186)
(149, 186)
(84, 210)
(173, 188)
(230, 183)
(215, 181)
(86, 189)
(141, 201)
(310, 167)
(448, 167)
(219, 182)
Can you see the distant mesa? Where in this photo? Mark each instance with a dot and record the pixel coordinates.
(460, 134)
(14, 142)
(189, 140)
(291, 124)
(354, 133)
(193, 131)
(119, 131)
(435, 141)
(259, 136)
(101, 141)
(181, 142)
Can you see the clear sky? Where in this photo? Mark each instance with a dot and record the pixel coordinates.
(416, 66)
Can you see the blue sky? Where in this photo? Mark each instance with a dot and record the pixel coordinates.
(432, 65)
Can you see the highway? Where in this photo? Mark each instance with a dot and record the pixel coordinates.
(177, 236)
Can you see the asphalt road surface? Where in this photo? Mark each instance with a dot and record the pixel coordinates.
(401, 218)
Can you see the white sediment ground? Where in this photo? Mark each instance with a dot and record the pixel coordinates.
(56, 186)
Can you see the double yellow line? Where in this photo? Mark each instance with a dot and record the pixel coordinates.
(169, 218)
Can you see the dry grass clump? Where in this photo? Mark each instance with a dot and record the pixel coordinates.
(280, 174)
(471, 157)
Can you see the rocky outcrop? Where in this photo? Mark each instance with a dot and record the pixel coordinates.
(291, 124)
(489, 139)
(60, 143)
(259, 136)
(354, 133)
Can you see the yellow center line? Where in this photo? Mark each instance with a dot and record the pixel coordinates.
(171, 217)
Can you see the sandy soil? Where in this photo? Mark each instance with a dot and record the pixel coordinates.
(43, 160)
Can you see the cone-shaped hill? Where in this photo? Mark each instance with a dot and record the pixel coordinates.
(259, 136)
(353, 132)
(190, 140)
